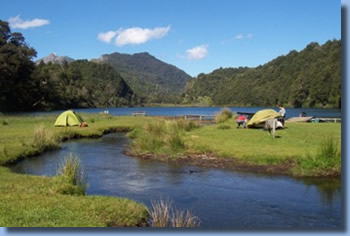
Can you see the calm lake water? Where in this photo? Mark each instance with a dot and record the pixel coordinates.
(220, 198)
(179, 111)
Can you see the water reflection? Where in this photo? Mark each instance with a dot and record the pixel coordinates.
(328, 188)
(220, 198)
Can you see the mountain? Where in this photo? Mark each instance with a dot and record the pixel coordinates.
(149, 77)
(52, 57)
(309, 78)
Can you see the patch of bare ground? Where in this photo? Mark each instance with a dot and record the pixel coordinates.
(211, 160)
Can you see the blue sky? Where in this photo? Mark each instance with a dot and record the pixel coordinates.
(194, 35)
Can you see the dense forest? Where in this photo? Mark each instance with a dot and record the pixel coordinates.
(153, 80)
(25, 86)
(309, 78)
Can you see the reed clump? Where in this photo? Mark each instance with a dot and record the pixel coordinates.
(224, 115)
(163, 214)
(44, 139)
(164, 136)
(71, 174)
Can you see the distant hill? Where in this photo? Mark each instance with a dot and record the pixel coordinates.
(52, 57)
(80, 84)
(309, 78)
(148, 76)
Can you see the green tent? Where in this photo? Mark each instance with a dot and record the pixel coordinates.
(68, 118)
(259, 118)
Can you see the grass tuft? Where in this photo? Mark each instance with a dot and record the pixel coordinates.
(163, 214)
(44, 139)
(71, 172)
(166, 137)
(326, 160)
(224, 115)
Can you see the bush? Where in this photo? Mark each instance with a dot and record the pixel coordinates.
(224, 115)
(5, 122)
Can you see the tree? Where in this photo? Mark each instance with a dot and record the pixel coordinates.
(16, 67)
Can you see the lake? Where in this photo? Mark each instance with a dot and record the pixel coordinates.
(180, 111)
(222, 199)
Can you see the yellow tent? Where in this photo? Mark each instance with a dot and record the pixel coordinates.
(260, 117)
(68, 118)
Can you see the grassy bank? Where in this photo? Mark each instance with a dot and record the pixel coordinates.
(304, 149)
(35, 201)
(308, 150)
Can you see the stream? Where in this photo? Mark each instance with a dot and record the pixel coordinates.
(220, 198)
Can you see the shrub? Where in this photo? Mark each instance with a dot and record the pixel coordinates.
(5, 122)
(71, 171)
(223, 115)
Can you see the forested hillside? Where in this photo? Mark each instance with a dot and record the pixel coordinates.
(26, 87)
(150, 78)
(309, 78)
(80, 84)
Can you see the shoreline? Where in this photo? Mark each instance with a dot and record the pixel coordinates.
(213, 161)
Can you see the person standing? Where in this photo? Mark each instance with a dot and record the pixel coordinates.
(282, 113)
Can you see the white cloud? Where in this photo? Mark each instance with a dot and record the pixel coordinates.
(17, 23)
(107, 36)
(134, 35)
(138, 35)
(242, 36)
(197, 53)
(239, 36)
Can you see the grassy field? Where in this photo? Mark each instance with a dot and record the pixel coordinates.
(51, 201)
(313, 148)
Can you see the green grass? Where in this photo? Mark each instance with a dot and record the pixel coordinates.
(36, 201)
(27, 200)
(161, 137)
(71, 173)
(298, 143)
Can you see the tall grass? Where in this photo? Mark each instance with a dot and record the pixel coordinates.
(71, 171)
(224, 115)
(166, 137)
(326, 159)
(163, 214)
(44, 139)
